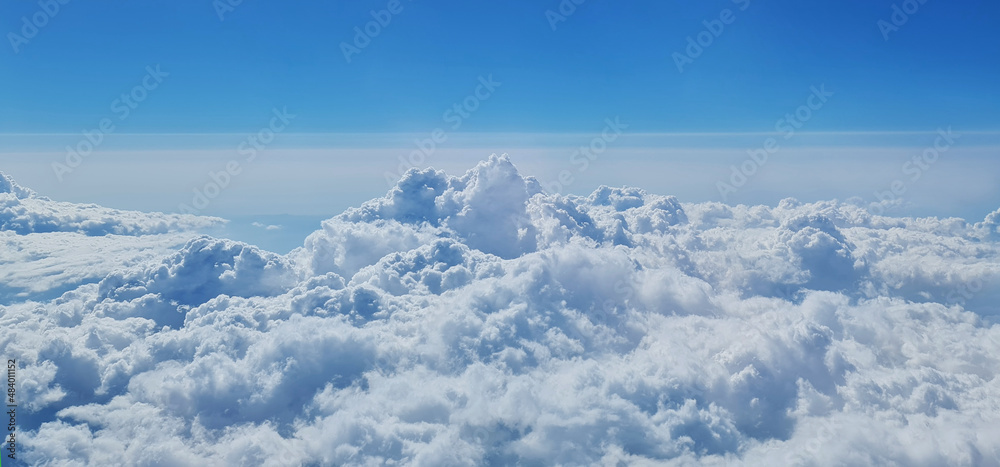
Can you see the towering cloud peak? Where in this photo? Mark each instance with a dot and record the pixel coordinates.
(9, 186)
(992, 224)
(486, 207)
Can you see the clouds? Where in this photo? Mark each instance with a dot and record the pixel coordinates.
(23, 211)
(266, 226)
(45, 265)
(991, 225)
(486, 206)
(10, 187)
(203, 269)
(50, 247)
(477, 320)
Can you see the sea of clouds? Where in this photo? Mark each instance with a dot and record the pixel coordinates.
(477, 320)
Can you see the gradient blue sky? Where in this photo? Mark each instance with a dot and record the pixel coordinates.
(354, 120)
(607, 58)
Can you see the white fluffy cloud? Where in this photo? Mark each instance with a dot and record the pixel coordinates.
(49, 247)
(23, 211)
(44, 265)
(476, 320)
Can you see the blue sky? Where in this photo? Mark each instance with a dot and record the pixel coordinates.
(541, 79)
(606, 58)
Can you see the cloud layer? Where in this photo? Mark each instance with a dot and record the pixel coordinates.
(22, 211)
(49, 247)
(477, 320)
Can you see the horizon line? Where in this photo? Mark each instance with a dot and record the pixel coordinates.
(704, 133)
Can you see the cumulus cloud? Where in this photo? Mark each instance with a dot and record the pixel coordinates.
(991, 225)
(476, 320)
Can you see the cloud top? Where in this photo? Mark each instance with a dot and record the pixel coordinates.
(23, 211)
(476, 320)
